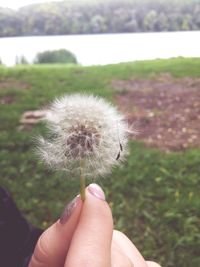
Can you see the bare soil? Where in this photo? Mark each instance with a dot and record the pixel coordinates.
(165, 110)
(10, 84)
(6, 100)
(5, 84)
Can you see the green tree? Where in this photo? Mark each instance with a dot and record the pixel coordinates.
(131, 26)
(163, 23)
(57, 56)
(98, 24)
(187, 23)
(150, 20)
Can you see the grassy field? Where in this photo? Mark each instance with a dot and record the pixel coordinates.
(154, 196)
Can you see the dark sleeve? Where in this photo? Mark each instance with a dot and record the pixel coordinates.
(17, 237)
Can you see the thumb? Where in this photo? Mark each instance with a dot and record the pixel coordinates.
(91, 242)
(52, 246)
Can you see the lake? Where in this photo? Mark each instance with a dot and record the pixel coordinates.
(102, 49)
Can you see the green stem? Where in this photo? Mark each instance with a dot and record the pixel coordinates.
(82, 181)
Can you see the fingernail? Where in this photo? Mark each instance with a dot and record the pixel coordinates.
(96, 191)
(69, 210)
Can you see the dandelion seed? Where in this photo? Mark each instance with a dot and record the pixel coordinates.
(86, 135)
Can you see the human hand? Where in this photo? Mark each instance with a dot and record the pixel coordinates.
(84, 237)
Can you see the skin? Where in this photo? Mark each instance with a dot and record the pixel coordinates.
(86, 239)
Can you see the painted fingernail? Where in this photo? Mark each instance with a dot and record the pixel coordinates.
(69, 210)
(96, 191)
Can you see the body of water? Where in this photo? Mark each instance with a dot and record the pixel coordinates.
(102, 49)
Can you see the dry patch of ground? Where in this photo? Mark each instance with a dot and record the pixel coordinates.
(13, 84)
(10, 84)
(6, 100)
(165, 110)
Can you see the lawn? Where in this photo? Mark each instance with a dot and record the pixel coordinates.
(154, 195)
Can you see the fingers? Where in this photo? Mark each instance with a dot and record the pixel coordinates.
(125, 254)
(91, 243)
(52, 246)
(118, 258)
(83, 237)
(127, 247)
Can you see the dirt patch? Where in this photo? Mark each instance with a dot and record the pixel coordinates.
(6, 100)
(6, 84)
(165, 110)
(9, 98)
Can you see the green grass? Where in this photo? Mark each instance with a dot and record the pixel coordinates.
(154, 196)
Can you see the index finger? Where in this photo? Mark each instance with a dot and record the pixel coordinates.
(53, 244)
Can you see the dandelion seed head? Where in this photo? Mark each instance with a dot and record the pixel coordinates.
(87, 128)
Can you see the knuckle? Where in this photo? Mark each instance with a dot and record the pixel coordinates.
(40, 255)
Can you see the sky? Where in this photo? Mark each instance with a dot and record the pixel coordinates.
(15, 4)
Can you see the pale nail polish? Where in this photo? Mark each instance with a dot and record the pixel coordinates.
(96, 191)
(69, 210)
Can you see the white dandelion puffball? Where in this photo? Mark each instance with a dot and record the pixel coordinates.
(84, 129)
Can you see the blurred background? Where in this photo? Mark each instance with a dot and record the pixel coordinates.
(142, 55)
(99, 31)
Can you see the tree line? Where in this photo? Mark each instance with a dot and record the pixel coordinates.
(111, 16)
(61, 56)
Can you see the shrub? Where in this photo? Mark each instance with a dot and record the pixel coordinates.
(57, 56)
